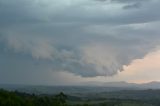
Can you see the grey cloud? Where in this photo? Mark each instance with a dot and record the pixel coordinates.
(37, 48)
(122, 1)
(118, 16)
(130, 6)
(25, 12)
(17, 12)
(98, 56)
(102, 0)
(77, 37)
(130, 1)
(59, 59)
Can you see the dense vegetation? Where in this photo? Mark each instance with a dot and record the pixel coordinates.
(10, 98)
(24, 99)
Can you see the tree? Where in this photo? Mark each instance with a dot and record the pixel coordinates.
(61, 99)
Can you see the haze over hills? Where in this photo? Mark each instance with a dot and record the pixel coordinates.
(89, 87)
(123, 84)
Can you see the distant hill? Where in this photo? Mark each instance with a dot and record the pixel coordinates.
(123, 84)
(89, 87)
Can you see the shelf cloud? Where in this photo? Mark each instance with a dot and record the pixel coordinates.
(85, 37)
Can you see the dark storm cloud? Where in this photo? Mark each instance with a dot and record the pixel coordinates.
(27, 11)
(81, 37)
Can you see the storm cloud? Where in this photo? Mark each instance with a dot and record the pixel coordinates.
(84, 37)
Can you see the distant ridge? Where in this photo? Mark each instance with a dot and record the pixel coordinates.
(149, 85)
(87, 87)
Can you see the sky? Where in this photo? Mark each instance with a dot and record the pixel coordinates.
(69, 42)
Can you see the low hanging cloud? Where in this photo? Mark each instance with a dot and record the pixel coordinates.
(37, 48)
(81, 37)
(89, 60)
